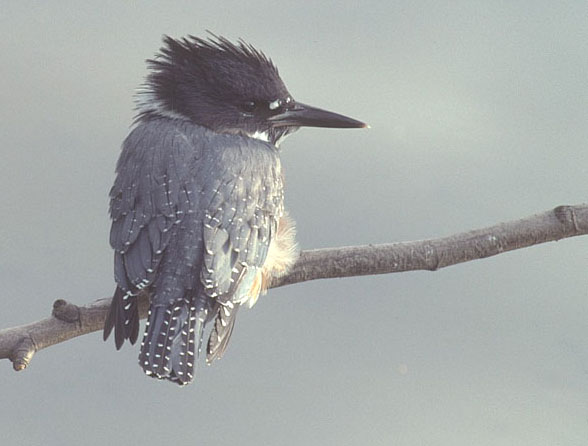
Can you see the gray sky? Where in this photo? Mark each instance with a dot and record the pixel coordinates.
(479, 115)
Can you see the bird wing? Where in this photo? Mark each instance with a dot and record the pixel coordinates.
(242, 210)
(155, 190)
(154, 193)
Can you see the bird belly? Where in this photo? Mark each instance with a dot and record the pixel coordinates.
(282, 254)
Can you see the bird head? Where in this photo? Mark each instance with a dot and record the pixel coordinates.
(228, 88)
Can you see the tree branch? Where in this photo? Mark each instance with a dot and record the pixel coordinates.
(67, 321)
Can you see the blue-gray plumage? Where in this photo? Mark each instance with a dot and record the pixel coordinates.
(197, 205)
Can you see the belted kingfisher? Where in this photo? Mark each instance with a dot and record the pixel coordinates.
(197, 207)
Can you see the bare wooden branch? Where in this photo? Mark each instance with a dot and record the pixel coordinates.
(67, 321)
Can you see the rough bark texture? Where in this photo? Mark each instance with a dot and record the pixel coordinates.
(67, 321)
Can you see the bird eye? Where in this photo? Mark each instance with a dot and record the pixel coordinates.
(249, 106)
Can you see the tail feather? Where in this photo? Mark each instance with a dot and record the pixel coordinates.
(123, 316)
(169, 349)
(221, 333)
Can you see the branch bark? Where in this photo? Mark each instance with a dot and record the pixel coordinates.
(67, 321)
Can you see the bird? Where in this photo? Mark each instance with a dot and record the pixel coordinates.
(197, 205)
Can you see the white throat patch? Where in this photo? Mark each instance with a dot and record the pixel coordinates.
(262, 136)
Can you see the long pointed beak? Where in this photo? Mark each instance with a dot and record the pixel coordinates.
(302, 115)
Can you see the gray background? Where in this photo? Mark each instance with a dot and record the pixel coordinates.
(479, 115)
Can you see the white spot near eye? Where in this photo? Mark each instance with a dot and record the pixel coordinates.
(275, 104)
